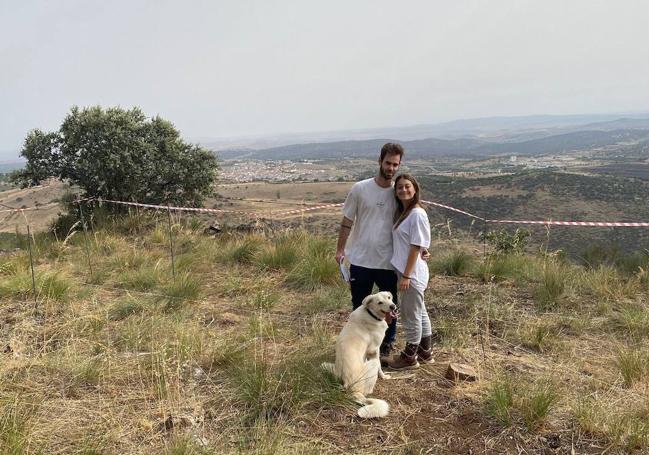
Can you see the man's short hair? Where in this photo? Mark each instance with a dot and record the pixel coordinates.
(392, 149)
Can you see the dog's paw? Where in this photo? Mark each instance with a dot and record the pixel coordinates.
(385, 375)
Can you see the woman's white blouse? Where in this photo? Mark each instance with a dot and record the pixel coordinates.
(414, 230)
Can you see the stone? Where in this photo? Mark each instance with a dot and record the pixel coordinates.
(460, 372)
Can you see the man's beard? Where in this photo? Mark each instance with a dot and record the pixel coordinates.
(384, 175)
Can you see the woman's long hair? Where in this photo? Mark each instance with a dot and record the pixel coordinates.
(403, 212)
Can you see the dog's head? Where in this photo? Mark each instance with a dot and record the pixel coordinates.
(380, 303)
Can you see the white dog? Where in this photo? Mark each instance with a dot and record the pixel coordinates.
(357, 353)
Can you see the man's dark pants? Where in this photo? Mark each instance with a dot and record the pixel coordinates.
(362, 281)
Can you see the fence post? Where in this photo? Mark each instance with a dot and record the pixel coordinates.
(31, 263)
(171, 243)
(484, 240)
(85, 237)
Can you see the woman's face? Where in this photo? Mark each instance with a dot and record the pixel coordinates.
(405, 190)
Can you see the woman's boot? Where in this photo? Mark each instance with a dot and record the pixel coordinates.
(406, 360)
(425, 350)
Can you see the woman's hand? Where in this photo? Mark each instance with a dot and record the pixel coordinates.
(404, 283)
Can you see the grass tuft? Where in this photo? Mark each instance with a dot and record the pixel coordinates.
(540, 336)
(245, 250)
(500, 401)
(633, 365)
(15, 426)
(329, 298)
(552, 286)
(631, 320)
(282, 253)
(125, 308)
(144, 278)
(316, 268)
(623, 425)
(264, 299)
(509, 266)
(185, 288)
(53, 286)
(455, 263)
(537, 403)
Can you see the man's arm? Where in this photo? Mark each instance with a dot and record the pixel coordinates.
(343, 234)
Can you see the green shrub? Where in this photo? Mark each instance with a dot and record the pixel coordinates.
(505, 242)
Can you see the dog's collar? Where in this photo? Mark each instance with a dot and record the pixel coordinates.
(373, 315)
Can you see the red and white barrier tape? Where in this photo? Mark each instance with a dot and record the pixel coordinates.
(27, 209)
(574, 223)
(547, 222)
(340, 204)
(448, 207)
(171, 207)
(308, 209)
(205, 210)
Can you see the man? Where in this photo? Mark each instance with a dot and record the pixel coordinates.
(370, 208)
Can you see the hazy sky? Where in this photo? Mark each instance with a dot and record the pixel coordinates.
(227, 68)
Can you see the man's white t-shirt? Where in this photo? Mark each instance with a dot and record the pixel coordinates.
(371, 208)
(414, 230)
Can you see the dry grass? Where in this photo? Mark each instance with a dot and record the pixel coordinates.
(225, 358)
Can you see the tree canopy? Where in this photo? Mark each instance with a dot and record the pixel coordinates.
(120, 154)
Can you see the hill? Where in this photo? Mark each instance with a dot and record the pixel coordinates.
(548, 195)
(116, 355)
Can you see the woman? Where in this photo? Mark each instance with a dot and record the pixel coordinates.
(410, 236)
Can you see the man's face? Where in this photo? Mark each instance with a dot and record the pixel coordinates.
(389, 166)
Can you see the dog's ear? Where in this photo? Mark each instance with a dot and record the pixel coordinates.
(367, 300)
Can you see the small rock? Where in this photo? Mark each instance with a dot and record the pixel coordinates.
(181, 421)
(198, 373)
(460, 372)
(200, 441)
(167, 424)
(214, 229)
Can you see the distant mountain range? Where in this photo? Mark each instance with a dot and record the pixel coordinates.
(495, 129)
(597, 135)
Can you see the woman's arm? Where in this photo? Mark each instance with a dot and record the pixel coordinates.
(413, 254)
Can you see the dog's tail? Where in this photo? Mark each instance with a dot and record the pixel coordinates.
(372, 407)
